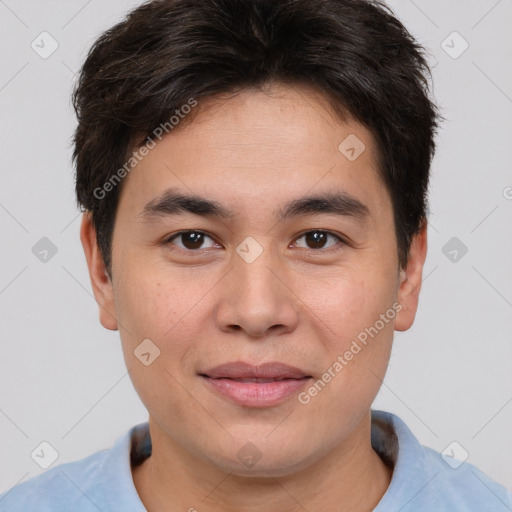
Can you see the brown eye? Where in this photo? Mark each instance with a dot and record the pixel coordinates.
(190, 240)
(319, 239)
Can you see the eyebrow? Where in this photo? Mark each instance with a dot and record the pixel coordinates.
(173, 202)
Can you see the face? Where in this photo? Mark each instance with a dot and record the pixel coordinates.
(286, 255)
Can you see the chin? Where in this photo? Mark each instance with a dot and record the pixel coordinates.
(264, 459)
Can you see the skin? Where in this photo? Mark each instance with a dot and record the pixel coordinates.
(296, 303)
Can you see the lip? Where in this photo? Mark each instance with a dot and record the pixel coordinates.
(264, 385)
(242, 370)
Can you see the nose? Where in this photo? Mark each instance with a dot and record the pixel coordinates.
(257, 298)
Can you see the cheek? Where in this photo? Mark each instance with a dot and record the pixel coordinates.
(357, 342)
(348, 305)
(167, 309)
(145, 314)
(357, 348)
(142, 308)
(152, 309)
(150, 303)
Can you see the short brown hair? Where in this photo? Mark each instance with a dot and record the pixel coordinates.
(165, 52)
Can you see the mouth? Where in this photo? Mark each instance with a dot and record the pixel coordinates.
(248, 385)
(267, 371)
(259, 381)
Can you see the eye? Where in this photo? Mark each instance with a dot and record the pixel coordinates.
(318, 239)
(194, 240)
(191, 240)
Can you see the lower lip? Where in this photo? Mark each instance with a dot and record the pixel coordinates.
(254, 394)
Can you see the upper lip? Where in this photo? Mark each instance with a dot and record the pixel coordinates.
(242, 370)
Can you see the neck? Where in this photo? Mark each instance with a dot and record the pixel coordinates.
(351, 477)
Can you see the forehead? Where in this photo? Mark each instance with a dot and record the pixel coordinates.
(260, 148)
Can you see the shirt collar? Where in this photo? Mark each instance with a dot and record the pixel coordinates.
(390, 438)
(116, 474)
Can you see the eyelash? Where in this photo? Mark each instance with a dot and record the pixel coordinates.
(168, 241)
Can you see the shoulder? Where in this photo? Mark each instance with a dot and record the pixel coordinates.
(102, 481)
(69, 486)
(462, 486)
(425, 480)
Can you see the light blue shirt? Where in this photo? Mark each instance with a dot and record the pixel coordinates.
(423, 481)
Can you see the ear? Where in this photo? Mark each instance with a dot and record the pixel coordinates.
(410, 280)
(101, 284)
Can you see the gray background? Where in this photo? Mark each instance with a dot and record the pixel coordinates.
(62, 376)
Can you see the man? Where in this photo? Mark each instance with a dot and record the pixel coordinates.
(254, 177)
